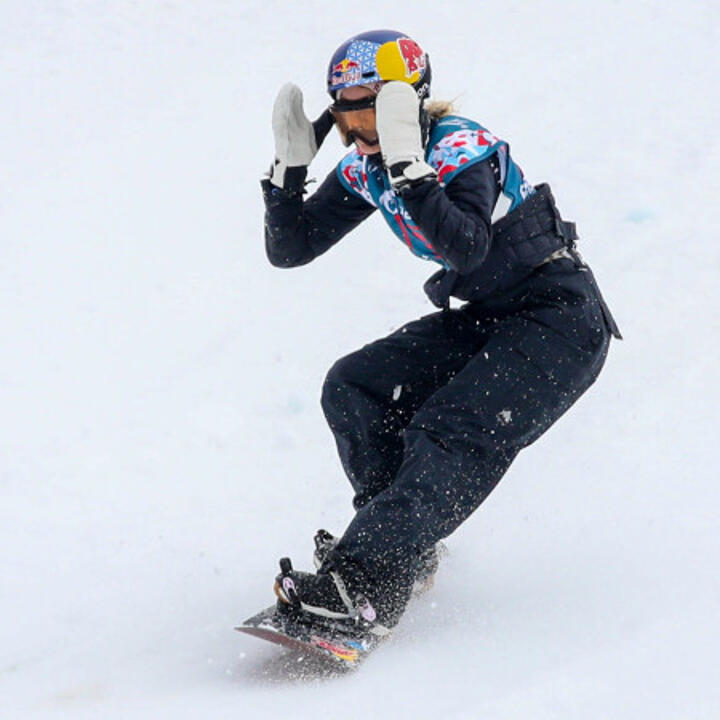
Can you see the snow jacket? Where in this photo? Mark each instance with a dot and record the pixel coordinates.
(448, 221)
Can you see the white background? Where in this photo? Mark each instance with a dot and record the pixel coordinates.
(161, 441)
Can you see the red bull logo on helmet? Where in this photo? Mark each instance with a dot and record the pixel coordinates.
(402, 59)
(346, 71)
(413, 56)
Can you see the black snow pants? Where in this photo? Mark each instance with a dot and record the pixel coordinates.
(428, 420)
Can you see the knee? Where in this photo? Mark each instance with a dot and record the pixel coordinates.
(341, 383)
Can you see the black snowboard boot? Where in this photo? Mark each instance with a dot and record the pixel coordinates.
(427, 563)
(324, 598)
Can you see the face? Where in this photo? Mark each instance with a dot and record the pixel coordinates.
(358, 124)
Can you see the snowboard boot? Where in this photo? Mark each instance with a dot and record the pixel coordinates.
(324, 598)
(428, 561)
(428, 564)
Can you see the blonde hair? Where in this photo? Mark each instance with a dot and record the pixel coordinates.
(439, 108)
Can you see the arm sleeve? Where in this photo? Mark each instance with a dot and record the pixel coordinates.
(297, 231)
(457, 219)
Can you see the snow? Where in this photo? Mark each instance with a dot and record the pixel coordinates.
(161, 437)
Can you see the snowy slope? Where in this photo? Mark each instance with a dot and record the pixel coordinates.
(161, 442)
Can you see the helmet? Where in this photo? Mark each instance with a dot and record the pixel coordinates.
(379, 56)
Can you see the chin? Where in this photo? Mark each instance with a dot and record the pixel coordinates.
(365, 149)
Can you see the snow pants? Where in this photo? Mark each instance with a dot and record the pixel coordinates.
(428, 420)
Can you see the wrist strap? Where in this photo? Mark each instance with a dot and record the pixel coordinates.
(409, 174)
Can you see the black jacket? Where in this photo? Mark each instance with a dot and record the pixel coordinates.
(483, 258)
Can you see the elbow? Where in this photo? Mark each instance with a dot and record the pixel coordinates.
(277, 258)
(465, 266)
(280, 256)
(279, 262)
(473, 257)
(283, 260)
(282, 249)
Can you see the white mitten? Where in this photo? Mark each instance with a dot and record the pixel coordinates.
(295, 144)
(398, 125)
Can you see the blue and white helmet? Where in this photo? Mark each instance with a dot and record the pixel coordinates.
(379, 56)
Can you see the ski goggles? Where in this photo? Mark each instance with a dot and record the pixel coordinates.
(355, 118)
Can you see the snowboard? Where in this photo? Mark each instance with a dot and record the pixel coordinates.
(342, 647)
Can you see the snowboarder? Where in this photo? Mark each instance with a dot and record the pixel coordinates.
(428, 419)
